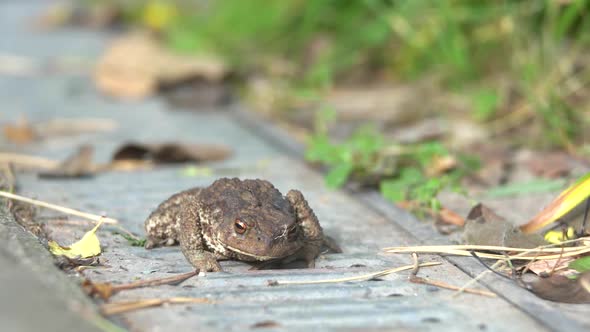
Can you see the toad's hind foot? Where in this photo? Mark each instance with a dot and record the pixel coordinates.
(151, 243)
(331, 244)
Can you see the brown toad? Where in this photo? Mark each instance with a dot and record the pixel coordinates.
(246, 220)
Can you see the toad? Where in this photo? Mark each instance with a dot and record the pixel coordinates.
(247, 220)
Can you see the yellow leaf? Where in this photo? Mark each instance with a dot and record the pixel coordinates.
(88, 246)
(159, 14)
(558, 236)
(564, 203)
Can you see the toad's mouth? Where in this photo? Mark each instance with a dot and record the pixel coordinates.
(261, 257)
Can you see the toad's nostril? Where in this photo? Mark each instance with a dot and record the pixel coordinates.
(259, 239)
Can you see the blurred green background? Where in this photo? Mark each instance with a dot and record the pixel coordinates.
(518, 69)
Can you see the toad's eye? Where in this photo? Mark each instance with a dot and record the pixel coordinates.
(240, 226)
(292, 232)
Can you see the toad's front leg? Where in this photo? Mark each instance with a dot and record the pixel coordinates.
(312, 231)
(192, 244)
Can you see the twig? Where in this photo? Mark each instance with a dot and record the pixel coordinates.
(126, 231)
(28, 161)
(65, 126)
(502, 264)
(357, 278)
(105, 290)
(476, 279)
(420, 280)
(518, 256)
(557, 263)
(156, 282)
(8, 172)
(545, 248)
(89, 216)
(116, 308)
(416, 265)
(465, 250)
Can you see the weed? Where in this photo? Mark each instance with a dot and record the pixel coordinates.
(134, 242)
(400, 171)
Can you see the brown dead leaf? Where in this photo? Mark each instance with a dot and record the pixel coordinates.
(196, 94)
(484, 227)
(265, 324)
(560, 288)
(386, 104)
(448, 221)
(495, 167)
(441, 165)
(135, 66)
(25, 215)
(127, 165)
(93, 15)
(172, 152)
(78, 165)
(72, 127)
(20, 133)
(67, 263)
(450, 217)
(550, 165)
(23, 131)
(546, 266)
(106, 290)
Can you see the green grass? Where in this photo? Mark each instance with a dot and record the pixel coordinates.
(401, 172)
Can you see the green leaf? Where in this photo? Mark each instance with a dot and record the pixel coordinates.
(535, 186)
(426, 191)
(425, 152)
(581, 264)
(321, 149)
(135, 242)
(338, 175)
(393, 190)
(485, 102)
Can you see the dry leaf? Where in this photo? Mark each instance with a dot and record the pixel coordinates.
(545, 266)
(448, 221)
(77, 165)
(66, 263)
(265, 324)
(172, 152)
(92, 15)
(21, 132)
(197, 95)
(450, 217)
(550, 165)
(88, 246)
(484, 227)
(441, 165)
(560, 288)
(106, 290)
(25, 214)
(136, 66)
